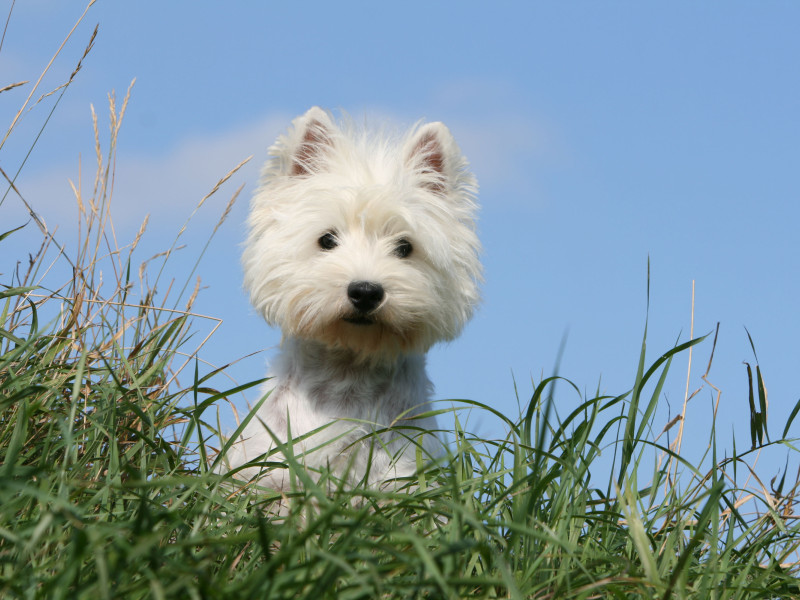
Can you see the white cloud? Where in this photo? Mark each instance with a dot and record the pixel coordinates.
(500, 147)
(503, 150)
(167, 185)
(507, 140)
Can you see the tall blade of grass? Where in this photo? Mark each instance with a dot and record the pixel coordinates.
(632, 433)
(790, 419)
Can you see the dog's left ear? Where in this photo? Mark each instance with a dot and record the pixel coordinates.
(431, 153)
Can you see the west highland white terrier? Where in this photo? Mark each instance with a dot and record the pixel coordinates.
(362, 249)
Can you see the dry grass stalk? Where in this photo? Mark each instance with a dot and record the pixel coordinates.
(45, 71)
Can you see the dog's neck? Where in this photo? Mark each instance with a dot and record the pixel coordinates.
(333, 375)
(310, 356)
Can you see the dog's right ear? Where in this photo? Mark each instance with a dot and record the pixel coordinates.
(310, 141)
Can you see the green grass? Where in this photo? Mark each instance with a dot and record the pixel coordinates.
(105, 492)
(108, 425)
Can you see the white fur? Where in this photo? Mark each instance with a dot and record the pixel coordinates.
(350, 370)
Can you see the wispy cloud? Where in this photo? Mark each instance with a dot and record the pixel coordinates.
(500, 147)
(168, 184)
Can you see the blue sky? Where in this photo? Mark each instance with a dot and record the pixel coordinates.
(601, 133)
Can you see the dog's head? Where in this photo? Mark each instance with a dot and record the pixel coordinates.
(364, 241)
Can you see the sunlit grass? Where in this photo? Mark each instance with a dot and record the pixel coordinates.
(105, 491)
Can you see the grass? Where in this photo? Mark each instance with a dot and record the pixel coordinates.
(105, 490)
(108, 427)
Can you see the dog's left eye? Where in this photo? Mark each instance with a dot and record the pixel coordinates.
(403, 248)
(328, 241)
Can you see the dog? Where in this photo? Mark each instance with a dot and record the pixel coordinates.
(362, 248)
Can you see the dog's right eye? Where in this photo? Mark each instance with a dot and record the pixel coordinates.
(403, 248)
(328, 241)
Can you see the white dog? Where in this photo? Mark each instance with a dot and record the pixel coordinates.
(362, 249)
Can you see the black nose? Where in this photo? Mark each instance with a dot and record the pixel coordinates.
(365, 295)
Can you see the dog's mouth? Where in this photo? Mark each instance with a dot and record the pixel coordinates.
(359, 320)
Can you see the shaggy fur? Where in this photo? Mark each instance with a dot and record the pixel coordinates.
(362, 249)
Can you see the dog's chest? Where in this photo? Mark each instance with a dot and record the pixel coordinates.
(350, 396)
